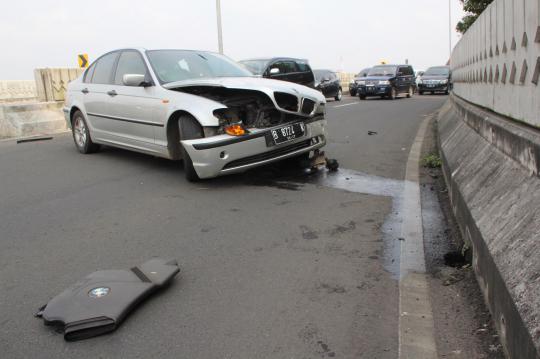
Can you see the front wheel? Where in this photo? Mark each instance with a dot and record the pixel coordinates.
(362, 97)
(339, 95)
(410, 93)
(81, 134)
(420, 92)
(393, 94)
(352, 93)
(189, 130)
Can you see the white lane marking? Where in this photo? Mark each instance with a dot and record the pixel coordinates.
(416, 329)
(347, 104)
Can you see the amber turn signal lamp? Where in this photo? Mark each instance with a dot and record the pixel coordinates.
(235, 130)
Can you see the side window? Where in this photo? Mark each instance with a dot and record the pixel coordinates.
(104, 68)
(303, 67)
(286, 67)
(89, 73)
(130, 62)
(410, 71)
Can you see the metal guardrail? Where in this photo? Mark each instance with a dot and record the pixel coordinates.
(497, 62)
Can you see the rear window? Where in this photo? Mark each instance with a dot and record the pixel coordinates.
(303, 66)
(103, 69)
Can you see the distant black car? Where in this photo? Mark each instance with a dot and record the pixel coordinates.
(328, 83)
(282, 68)
(387, 81)
(436, 79)
(353, 85)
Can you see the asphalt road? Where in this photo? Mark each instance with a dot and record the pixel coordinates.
(274, 264)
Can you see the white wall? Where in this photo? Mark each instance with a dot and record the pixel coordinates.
(480, 58)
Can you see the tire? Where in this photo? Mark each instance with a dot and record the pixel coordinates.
(189, 130)
(433, 92)
(393, 94)
(410, 93)
(81, 134)
(339, 95)
(446, 92)
(352, 93)
(362, 97)
(420, 92)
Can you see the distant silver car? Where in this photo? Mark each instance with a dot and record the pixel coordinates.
(193, 105)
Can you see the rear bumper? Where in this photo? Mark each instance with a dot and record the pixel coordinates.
(221, 155)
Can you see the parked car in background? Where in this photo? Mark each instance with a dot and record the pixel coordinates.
(387, 81)
(436, 79)
(282, 68)
(353, 84)
(197, 106)
(328, 83)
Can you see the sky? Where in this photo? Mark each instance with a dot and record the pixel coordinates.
(338, 35)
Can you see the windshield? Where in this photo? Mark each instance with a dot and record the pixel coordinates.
(382, 71)
(320, 74)
(437, 71)
(363, 73)
(178, 65)
(257, 67)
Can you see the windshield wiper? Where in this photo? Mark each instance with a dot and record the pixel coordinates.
(202, 57)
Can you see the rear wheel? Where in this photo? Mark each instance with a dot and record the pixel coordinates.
(189, 130)
(339, 95)
(81, 134)
(362, 97)
(352, 92)
(410, 93)
(433, 92)
(420, 92)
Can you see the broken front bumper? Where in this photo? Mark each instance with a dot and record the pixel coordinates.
(224, 154)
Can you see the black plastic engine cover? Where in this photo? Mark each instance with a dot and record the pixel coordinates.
(98, 303)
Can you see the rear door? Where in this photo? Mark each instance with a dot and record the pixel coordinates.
(98, 81)
(134, 108)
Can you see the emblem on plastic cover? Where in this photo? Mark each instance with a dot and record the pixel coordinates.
(99, 292)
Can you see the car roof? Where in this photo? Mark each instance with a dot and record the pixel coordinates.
(268, 59)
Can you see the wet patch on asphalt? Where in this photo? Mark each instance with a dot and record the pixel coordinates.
(347, 180)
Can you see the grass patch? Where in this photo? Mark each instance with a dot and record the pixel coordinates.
(432, 161)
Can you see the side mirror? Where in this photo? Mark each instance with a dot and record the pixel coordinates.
(134, 80)
(325, 79)
(274, 71)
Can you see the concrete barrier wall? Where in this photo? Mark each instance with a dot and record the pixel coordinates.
(496, 64)
(51, 83)
(31, 119)
(491, 167)
(12, 91)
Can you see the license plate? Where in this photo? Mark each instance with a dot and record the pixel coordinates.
(430, 85)
(288, 133)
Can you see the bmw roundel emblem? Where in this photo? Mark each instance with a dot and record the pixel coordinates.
(99, 292)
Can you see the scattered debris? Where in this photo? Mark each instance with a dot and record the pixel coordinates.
(401, 239)
(455, 259)
(34, 139)
(371, 133)
(98, 304)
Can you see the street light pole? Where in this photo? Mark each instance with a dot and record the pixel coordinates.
(220, 38)
(449, 29)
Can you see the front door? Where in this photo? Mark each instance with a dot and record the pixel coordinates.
(134, 108)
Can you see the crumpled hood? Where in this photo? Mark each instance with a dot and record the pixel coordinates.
(267, 86)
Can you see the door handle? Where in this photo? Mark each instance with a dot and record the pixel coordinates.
(112, 93)
(84, 91)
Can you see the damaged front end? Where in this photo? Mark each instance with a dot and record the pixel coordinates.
(255, 109)
(256, 126)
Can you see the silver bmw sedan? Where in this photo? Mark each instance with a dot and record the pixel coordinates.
(196, 106)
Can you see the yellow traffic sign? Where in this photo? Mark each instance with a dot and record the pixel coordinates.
(83, 60)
